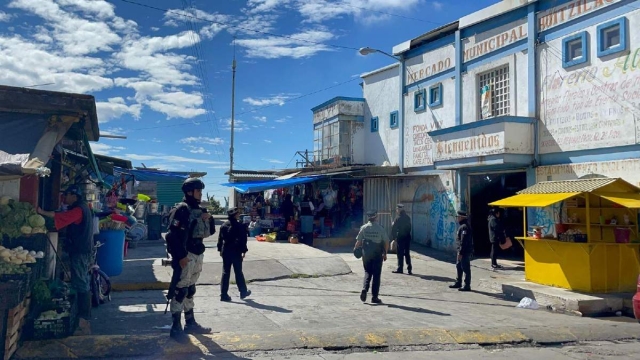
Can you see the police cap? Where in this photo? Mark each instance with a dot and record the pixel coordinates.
(372, 213)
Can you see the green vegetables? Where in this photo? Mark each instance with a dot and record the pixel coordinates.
(41, 292)
(19, 219)
(13, 269)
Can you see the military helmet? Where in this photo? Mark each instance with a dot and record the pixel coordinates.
(192, 184)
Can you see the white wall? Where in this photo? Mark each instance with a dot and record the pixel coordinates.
(593, 105)
(10, 188)
(380, 91)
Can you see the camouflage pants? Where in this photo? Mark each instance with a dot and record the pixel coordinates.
(186, 285)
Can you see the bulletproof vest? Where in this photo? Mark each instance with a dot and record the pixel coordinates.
(201, 227)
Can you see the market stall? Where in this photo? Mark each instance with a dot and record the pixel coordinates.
(594, 244)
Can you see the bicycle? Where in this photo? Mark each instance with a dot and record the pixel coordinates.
(100, 283)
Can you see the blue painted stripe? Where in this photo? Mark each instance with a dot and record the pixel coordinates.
(481, 123)
(493, 23)
(592, 155)
(430, 46)
(496, 55)
(585, 21)
(421, 84)
(458, 79)
(491, 162)
(337, 98)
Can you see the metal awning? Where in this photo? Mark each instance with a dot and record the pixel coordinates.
(533, 200)
(628, 200)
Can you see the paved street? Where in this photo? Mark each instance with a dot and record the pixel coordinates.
(326, 313)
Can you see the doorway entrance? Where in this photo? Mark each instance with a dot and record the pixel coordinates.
(485, 189)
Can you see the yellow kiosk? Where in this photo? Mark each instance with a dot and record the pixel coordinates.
(597, 247)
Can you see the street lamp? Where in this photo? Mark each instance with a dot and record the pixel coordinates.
(366, 51)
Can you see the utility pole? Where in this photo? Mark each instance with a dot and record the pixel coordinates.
(233, 106)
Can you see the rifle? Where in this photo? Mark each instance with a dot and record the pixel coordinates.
(175, 278)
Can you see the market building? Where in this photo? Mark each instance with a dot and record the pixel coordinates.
(514, 94)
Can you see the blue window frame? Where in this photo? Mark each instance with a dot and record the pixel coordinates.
(612, 37)
(374, 124)
(575, 50)
(393, 119)
(420, 100)
(435, 95)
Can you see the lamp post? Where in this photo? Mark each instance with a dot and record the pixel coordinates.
(366, 51)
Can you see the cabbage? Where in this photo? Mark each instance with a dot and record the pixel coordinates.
(36, 221)
(26, 230)
(5, 200)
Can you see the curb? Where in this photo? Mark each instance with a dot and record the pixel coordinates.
(112, 346)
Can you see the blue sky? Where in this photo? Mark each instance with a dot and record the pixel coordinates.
(163, 79)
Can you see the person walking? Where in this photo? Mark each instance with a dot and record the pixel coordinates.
(497, 235)
(78, 220)
(232, 245)
(401, 234)
(464, 244)
(189, 224)
(374, 242)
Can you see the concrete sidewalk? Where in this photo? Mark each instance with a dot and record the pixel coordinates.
(143, 270)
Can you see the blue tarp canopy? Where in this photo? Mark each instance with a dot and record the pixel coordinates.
(256, 186)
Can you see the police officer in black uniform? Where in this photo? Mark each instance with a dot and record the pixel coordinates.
(464, 244)
(232, 245)
(401, 233)
(189, 225)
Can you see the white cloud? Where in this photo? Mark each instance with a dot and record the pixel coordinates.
(267, 141)
(283, 120)
(437, 5)
(105, 149)
(258, 6)
(156, 140)
(153, 28)
(244, 143)
(274, 100)
(114, 108)
(202, 140)
(113, 131)
(318, 11)
(296, 47)
(4, 17)
(170, 159)
(274, 161)
(214, 23)
(261, 118)
(238, 125)
(197, 150)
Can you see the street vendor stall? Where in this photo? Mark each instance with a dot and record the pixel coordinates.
(595, 243)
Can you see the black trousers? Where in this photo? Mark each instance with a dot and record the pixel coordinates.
(404, 252)
(464, 266)
(235, 260)
(372, 271)
(495, 247)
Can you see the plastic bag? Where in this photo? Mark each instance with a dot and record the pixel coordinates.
(527, 303)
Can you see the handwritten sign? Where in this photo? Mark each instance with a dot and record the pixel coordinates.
(559, 15)
(470, 146)
(474, 49)
(589, 108)
(628, 170)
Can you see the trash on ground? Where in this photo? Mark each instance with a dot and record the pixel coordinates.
(527, 303)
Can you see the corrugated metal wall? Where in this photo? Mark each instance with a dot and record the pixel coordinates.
(170, 192)
(381, 194)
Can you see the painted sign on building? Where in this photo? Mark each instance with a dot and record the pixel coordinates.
(628, 170)
(341, 107)
(490, 41)
(469, 146)
(430, 64)
(593, 107)
(561, 14)
(419, 145)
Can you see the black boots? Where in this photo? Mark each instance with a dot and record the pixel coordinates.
(192, 327)
(176, 330)
(242, 296)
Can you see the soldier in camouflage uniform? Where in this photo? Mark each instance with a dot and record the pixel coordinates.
(189, 225)
(374, 241)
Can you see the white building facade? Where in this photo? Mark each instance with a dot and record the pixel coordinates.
(517, 93)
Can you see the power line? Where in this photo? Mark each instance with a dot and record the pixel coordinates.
(238, 27)
(256, 108)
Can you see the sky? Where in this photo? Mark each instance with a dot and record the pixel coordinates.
(160, 70)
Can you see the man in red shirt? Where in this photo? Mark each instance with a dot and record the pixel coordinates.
(78, 221)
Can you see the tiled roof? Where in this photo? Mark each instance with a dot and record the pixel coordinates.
(567, 186)
(254, 175)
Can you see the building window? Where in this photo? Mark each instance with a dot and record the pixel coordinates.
(575, 50)
(393, 120)
(374, 124)
(494, 92)
(612, 37)
(420, 100)
(435, 95)
(317, 143)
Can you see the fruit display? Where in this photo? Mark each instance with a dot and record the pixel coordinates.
(19, 219)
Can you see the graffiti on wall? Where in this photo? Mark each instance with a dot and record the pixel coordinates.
(434, 217)
(592, 107)
(544, 217)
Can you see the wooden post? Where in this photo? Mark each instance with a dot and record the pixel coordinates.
(588, 210)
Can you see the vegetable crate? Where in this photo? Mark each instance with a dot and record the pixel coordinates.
(37, 243)
(43, 328)
(11, 323)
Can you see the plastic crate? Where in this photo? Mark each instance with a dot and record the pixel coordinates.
(45, 329)
(10, 294)
(22, 283)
